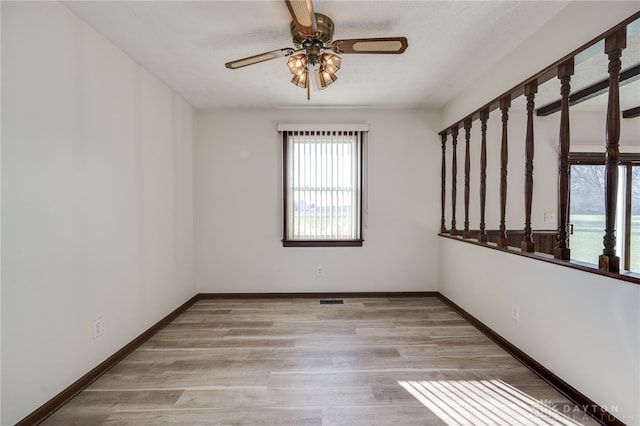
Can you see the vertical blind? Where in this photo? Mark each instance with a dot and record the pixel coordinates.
(323, 185)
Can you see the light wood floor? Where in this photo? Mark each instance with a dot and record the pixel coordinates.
(398, 361)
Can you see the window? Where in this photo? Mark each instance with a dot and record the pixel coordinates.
(323, 187)
(587, 210)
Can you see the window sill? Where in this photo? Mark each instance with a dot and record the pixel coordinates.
(322, 243)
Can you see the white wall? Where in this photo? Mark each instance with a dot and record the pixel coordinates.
(239, 205)
(583, 327)
(97, 198)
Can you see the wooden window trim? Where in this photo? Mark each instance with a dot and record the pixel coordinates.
(598, 158)
(628, 160)
(322, 243)
(286, 242)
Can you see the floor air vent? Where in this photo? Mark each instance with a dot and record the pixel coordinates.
(332, 302)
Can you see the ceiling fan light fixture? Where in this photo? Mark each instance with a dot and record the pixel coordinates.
(312, 34)
(331, 62)
(326, 77)
(297, 64)
(301, 80)
(313, 51)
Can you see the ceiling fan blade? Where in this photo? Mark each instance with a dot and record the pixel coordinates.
(267, 56)
(303, 16)
(383, 45)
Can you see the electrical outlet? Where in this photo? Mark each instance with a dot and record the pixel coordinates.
(320, 271)
(549, 217)
(515, 312)
(97, 328)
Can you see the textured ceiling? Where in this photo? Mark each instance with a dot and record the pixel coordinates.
(186, 44)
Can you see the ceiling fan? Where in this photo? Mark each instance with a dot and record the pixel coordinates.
(312, 35)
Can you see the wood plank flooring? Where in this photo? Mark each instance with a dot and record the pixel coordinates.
(396, 361)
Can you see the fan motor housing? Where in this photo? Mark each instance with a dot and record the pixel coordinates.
(324, 34)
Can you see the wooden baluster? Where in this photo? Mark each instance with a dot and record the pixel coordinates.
(454, 179)
(505, 104)
(467, 178)
(527, 243)
(561, 250)
(484, 116)
(613, 46)
(443, 188)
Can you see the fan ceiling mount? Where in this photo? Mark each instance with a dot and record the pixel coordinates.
(312, 35)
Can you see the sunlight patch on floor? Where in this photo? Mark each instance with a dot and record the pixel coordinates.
(484, 402)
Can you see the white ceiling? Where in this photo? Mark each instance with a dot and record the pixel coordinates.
(186, 44)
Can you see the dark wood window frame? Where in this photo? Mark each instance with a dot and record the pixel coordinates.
(288, 242)
(628, 160)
